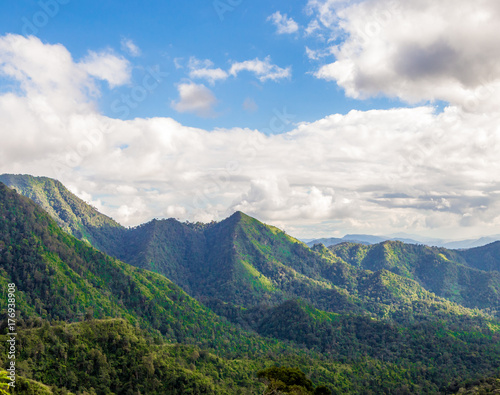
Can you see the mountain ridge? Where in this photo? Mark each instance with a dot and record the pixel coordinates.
(273, 301)
(71, 213)
(243, 261)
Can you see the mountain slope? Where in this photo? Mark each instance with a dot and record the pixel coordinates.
(484, 258)
(112, 356)
(71, 213)
(238, 260)
(61, 278)
(446, 273)
(252, 265)
(245, 262)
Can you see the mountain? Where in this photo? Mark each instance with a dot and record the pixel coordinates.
(61, 281)
(246, 263)
(359, 239)
(71, 213)
(405, 238)
(471, 243)
(483, 258)
(248, 297)
(449, 274)
(238, 260)
(62, 278)
(327, 242)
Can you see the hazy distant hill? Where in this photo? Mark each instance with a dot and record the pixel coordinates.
(405, 238)
(359, 239)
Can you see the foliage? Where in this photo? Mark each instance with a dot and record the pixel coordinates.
(61, 278)
(267, 301)
(489, 385)
(71, 213)
(285, 380)
(453, 275)
(112, 356)
(3, 382)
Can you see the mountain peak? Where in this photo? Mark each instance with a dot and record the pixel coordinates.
(240, 215)
(71, 213)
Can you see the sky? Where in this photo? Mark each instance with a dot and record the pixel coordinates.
(321, 117)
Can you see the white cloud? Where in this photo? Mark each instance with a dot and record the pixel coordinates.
(317, 54)
(284, 25)
(107, 66)
(312, 27)
(195, 98)
(376, 171)
(263, 69)
(175, 211)
(418, 50)
(204, 70)
(130, 47)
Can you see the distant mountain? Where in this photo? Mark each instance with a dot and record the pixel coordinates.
(327, 242)
(406, 238)
(71, 213)
(450, 274)
(360, 239)
(472, 243)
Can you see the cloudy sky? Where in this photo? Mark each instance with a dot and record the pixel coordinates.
(323, 117)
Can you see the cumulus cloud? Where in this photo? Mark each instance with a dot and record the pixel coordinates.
(374, 171)
(196, 99)
(283, 23)
(51, 94)
(107, 66)
(205, 70)
(263, 69)
(130, 47)
(415, 51)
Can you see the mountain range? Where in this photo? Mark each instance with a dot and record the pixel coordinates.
(405, 238)
(201, 308)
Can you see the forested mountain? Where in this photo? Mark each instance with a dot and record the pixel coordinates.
(70, 212)
(454, 275)
(244, 262)
(244, 297)
(61, 278)
(484, 258)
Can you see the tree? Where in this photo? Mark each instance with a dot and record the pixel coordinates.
(285, 380)
(3, 382)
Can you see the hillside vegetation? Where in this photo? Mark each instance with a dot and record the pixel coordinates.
(242, 297)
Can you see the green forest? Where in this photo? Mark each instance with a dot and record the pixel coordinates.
(235, 307)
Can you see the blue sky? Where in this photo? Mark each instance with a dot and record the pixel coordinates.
(322, 117)
(167, 31)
